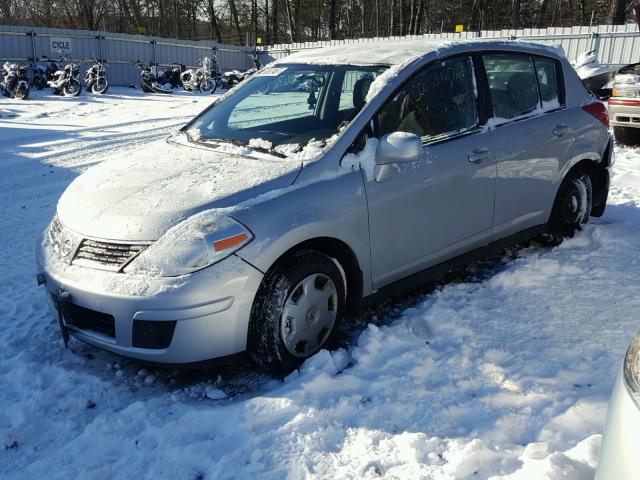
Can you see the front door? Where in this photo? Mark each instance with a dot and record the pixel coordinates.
(428, 211)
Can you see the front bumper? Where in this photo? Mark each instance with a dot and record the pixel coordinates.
(624, 112)
(210, 308)
(619, 454)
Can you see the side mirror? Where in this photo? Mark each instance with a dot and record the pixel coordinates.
(398, 147)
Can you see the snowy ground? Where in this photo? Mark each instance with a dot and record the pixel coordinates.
(502, 373)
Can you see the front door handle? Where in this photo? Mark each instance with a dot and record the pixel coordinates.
(560, 130)
(478, 154)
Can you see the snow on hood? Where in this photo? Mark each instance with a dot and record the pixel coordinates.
(142, 195)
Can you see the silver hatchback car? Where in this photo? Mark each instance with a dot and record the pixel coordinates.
(329, 178)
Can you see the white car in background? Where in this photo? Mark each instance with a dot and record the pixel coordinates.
(620, 448)
(624, 105)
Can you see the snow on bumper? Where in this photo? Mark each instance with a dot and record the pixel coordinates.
(210, 308)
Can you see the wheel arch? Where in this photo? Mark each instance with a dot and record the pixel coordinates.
(596, 166)
(345, 256)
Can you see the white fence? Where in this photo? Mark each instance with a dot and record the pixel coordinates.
(616, 44)
(120, 51)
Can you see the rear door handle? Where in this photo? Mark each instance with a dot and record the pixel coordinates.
(560, 130)
(478, 154)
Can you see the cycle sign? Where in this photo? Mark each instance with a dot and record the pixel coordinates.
(60, 45)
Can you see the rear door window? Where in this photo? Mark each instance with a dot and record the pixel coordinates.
(512, 84)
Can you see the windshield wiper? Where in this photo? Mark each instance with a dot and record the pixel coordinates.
(238, 143)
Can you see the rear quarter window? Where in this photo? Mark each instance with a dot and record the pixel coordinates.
(547, 72)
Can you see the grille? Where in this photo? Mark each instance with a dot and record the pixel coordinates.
(87, 319)
(107, 254)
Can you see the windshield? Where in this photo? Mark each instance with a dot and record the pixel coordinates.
(283, 108)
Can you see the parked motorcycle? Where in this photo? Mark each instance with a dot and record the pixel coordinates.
(65, 81)
(37, 76)
(156, 80)
(50, 69)
(198, 79)
(96, 78)
(14, 82)
(231, 78)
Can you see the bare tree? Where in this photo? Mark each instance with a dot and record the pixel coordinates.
(617, 12)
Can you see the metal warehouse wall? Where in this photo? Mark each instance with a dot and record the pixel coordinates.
(119, 50)
(616, 44)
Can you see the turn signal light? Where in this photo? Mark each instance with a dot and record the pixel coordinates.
(229, 242)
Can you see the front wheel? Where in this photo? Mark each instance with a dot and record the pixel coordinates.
(39, 82)
(207, 86)
(100, 86)
(22, 91)
(72, 88)
(296, 310)
(571, 208)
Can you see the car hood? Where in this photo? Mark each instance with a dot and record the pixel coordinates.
(141, 195)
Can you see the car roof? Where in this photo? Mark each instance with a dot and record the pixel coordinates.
(395, 52)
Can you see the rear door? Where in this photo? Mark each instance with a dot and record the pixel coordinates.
(428, 211)
(532, 136)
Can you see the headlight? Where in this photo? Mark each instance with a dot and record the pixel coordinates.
(192, 245)
(632, 366)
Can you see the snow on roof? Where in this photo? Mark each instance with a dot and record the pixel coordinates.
(395, 52)
(383, 52)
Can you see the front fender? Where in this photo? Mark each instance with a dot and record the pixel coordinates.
(318, 205)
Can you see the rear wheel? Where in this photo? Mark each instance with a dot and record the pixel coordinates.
(626, 135)
(296, 310)
(572, 206)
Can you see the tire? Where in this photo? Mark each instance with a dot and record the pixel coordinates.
(72, 88)
(572, 207)
(626, 135)
(100, 86)
(207, 86)
(301, 283)
(39, 83)
(157, 88)
(22, 91)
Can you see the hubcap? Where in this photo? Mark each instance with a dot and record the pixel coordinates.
(575, 205)
(309, 314)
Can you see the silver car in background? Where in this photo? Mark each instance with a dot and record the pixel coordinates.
(329, 179)
(619, 455)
